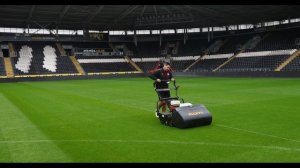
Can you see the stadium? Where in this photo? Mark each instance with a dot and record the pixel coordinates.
(75, 86)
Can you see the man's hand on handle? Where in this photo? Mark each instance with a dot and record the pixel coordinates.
(158, 80)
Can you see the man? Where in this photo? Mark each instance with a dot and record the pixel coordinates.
(161, 77)
(157, 66)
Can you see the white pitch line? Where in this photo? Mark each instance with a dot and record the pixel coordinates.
(160, 142)
(273, 136)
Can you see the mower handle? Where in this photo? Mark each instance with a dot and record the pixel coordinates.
(174, 83)
(168, 81)
(175, 88)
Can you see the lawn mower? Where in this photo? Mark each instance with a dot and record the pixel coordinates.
(181, 114)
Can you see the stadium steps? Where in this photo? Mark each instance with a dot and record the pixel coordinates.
(112, 47)
(186, 69)
(8, 67)
(287, 61)
(174, 50)
(166, 48)
(229, 59)
(241, 51)
(176, 47)
(127, 50)
(205, 53)
(61, 50)
(77, 65)
(11, 50)
(133, 64)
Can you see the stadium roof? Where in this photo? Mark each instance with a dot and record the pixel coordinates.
(129, 17)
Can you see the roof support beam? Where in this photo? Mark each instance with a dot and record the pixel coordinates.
(166, 9)
(42, 27)
(93, 15)
(125, 13)
(213, 14)
(63, 13)
(144, 8)
(30, 13)
(155, 10)
(182, 10)
(233, 12)
(204, 10)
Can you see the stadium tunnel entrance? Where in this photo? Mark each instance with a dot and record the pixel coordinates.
(5, 52)
(68, 52)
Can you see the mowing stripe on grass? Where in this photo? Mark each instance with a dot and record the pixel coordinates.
(12, 116)
(155, 141)
(258, 133)
(113, 121)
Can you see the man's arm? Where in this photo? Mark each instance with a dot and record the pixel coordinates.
(155, 75)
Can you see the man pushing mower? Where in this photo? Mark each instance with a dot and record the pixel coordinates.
(179, 114)
(162, 77)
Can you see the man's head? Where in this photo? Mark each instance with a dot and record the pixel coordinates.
(166, 66)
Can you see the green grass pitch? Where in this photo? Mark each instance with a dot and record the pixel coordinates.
(112, 120)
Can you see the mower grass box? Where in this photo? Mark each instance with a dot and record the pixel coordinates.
(191, 116)
(181, 114)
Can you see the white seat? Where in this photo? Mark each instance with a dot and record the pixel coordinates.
(50, 59)
(23, 63)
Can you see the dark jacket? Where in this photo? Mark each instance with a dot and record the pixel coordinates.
(163, 76)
